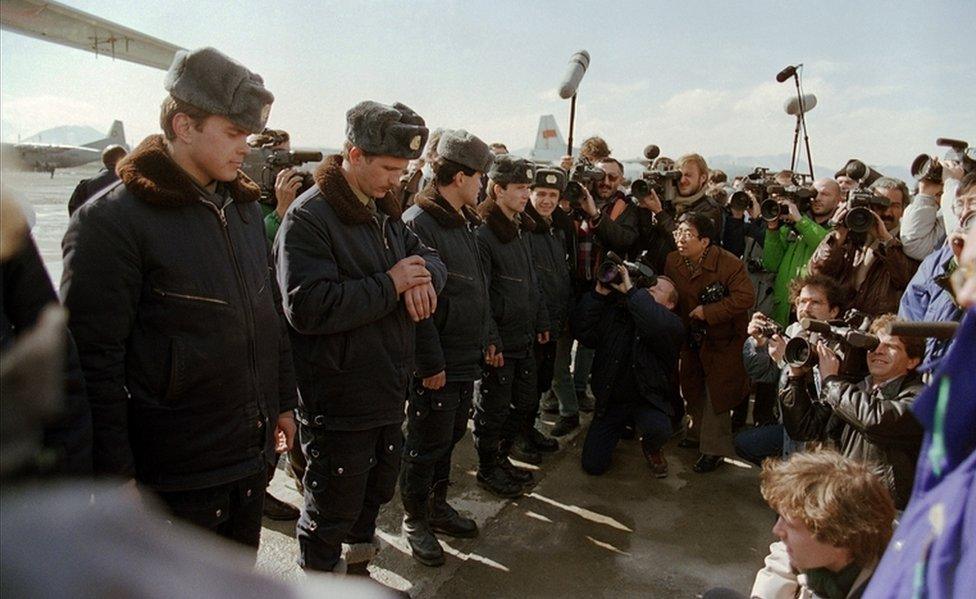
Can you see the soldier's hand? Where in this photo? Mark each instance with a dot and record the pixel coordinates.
(435, 382)
(285, 431)
(542, 338)
(421, 301)
(494, 359)
(409, 272)
(286, 188)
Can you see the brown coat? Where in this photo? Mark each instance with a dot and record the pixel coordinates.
(885, 280)
(721, 353)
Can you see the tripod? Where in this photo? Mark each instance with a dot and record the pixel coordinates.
(801, 123)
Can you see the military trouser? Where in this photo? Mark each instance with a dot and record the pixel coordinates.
(350, 474)
(436, 421)
(505, 407)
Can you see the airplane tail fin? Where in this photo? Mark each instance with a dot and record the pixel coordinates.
(549, 142)
(116, 135)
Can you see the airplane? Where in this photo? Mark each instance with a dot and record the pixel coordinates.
(41, 157)
(550, 147)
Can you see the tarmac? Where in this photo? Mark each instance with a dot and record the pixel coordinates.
(623, 534)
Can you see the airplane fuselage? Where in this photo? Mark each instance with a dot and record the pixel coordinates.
(46, 157)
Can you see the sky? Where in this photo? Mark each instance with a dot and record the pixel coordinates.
(890, 77)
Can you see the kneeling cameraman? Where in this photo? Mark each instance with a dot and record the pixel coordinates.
(870, 419)
(637, 338)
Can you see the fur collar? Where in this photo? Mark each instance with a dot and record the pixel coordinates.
(336, 191)
(151, 175)
(506, 230)
(441, 210)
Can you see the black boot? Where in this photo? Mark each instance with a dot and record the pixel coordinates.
(423, 544)
(565, 425)
(524, 451)
(445, 519)
(492, 478)
(542, 442)
(519, 475)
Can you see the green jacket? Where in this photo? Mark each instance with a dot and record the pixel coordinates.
(271, 221)
(788, 259)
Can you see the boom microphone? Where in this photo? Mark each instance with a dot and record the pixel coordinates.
(577, 67)
(934, 330)
(787, 73)
(651, 152)
(792, 106)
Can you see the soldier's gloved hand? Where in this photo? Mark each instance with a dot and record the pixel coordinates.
(435, 382)
(409, 272)
(421, 301)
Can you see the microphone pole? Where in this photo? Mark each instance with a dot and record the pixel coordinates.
(802, 121)
(572, 122)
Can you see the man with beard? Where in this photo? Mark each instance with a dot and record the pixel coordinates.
(354, 279)
(450, 345)
(611, 218)
(553, 267)
(792, 239)
(691, 196)
(814, 296)
(507, 404)
(714, 299)
(874, 264)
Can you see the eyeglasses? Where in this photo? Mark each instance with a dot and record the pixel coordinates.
(684, 234)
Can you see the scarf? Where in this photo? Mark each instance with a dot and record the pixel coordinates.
(832, 585)
(682, 203)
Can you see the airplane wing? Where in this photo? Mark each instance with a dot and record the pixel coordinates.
(55, 22)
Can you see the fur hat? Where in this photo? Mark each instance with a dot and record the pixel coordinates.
(553, 178)
(465, 149)
(215, 83)
(509, 169)
(386, 130)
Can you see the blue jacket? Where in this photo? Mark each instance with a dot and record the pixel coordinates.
(926, 299)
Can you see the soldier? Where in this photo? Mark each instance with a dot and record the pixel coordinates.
(508, 402)
(450, 346)
(167, 281)
(554, 269)
(354, 280)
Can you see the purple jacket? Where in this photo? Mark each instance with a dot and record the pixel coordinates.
(933, 551)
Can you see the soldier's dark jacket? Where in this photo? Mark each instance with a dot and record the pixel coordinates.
(173, 305)
(353, 340)
(517, 308)
(455, 338)
(552, 264)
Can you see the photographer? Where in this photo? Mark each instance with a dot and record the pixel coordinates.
(792, 239)
(923, 228)
(611, 218)
(869, 419)
(814, 296)
(872, 262)
(289, 183)
(714, 299)
(927, 297)
(691, 196)
(637, 339)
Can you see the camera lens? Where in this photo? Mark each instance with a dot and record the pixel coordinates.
(926, 168)
(859, 219)
(799, 353)
(608, 274)
(769, 210)
(640, 189)
(573, 193)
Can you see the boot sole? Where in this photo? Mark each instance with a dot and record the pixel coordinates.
(430, 563)
(497, 493)
(452, 533)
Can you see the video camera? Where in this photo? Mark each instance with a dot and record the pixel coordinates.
(847, 337)
(860, 214)
(262, 165)
(641, 272)
(860, 172)
(582, 174)
(928, 168)
(775, 207)
(663, 183)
